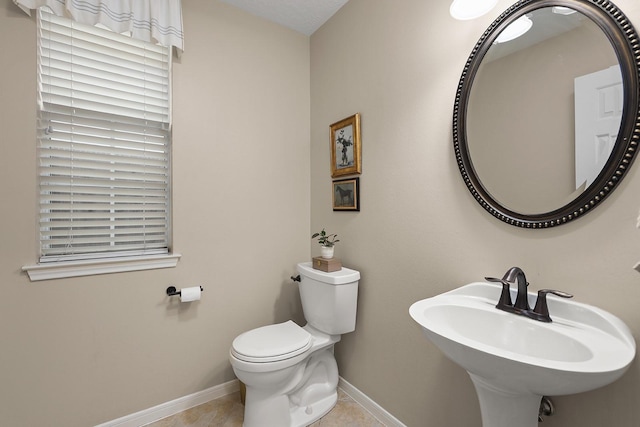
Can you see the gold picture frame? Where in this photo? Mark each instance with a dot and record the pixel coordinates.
(346, 147)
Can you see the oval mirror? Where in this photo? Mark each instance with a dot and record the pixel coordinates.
(546, 123)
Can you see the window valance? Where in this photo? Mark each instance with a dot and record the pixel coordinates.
(158, 21)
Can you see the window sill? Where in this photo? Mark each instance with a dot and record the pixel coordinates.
(65, 269)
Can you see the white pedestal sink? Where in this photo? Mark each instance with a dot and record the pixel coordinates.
(513, 361)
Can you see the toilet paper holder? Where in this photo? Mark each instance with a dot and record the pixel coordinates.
(172, 291)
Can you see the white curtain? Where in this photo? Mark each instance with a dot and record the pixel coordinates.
(158, 21)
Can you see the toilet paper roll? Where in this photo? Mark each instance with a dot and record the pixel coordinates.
(190, 294)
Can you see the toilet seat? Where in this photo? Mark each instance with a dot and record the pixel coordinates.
(272, 343)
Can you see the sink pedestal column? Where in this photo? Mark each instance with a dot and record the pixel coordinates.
(504, 408)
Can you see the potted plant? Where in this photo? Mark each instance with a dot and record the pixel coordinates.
(326, 242)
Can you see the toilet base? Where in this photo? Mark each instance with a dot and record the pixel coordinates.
(302, 417)
(294, 397)
(297, 416)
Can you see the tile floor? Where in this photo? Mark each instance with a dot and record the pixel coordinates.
(227, 411)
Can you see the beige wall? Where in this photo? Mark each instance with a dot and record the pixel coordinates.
(83, 351)
(420, 232)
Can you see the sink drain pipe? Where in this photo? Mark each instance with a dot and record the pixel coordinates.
(546, 408)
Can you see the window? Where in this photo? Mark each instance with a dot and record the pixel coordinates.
(103, 143)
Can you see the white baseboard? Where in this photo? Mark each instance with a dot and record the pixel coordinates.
(369, 405)
(173, 407)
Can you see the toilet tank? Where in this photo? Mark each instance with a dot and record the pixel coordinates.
(329, 300)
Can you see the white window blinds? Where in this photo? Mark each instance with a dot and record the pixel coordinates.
(104, 142)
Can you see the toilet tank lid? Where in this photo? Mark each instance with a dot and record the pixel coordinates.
(340, 277)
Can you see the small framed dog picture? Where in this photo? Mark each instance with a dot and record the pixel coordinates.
(346, 194)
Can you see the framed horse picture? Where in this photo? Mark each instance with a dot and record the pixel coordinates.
(346, 194)
(345, 147)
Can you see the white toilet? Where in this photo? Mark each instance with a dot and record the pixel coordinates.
(290, 373)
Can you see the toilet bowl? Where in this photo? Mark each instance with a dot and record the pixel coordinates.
(290, 372)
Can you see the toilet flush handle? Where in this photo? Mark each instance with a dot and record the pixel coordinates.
(296, 278)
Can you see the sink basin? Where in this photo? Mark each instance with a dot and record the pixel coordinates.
(498, 332)
(513, 359)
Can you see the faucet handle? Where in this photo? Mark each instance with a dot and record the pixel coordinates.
(505, 296)
(541, 310)
(496, 280)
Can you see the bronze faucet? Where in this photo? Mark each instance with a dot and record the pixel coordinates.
(515, 275)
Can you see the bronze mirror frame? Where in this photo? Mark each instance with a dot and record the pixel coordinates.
(624, 40)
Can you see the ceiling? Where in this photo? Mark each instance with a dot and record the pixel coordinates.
(304, 16)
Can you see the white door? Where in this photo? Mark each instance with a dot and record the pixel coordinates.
(598, 108)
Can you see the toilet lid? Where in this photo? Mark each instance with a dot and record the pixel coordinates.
(271, 343)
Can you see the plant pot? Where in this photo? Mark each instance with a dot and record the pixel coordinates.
(326, 252)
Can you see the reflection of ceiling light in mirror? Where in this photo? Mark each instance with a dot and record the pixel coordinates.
(561, 10)
(470, 9)
(515, 29)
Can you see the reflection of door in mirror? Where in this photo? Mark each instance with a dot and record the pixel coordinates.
(520, 120)
(598, 114)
